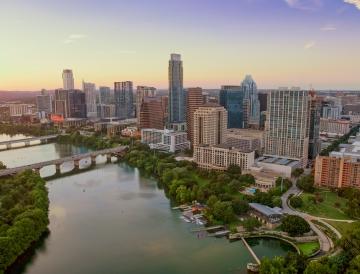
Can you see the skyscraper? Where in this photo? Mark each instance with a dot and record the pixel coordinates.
(70, 103)
(314, 127)
(194, 99)
(152, 113)
(252, 103)
(90, 98)
(176, 91)
(105, 95)
(232, 98)
(68, 79)
(124, 101)
(141, 93)
(44, 104)
(210, 125)
(287, 124)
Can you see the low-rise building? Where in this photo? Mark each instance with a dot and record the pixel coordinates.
(280, 165)
(271, 217)
(334, 127)
(165, 140)
(220, 157)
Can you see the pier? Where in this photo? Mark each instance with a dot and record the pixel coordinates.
(251, 251)
(27, 141)
(216, 227)
(117, 152)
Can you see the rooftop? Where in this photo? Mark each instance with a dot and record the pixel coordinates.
(265, 210)
(278, 161)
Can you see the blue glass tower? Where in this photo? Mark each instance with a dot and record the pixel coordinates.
(232, 98)
(176, 91)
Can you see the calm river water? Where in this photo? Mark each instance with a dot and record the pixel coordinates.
(113, 220)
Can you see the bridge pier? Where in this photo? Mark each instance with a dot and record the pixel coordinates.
(76, 164)
(58, 168)
(8, 146)
(27, 144)
(108, 158)
(37, 170)
(93, 160)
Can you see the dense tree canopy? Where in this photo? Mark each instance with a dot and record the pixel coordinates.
(23, 214)
(306, 183)
(294, 225)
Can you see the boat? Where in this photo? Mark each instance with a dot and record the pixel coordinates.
(254, 268)
(185, 219)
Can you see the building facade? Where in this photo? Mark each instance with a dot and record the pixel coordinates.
(245, 139)
(210, 124)
(68, 79)
(287, 124)
(141, 93)
(334, 127)
(152, 113)
(165, 140)
(176, 90)
(194, 99)
(90, 98)
(70, 103)
(105, 97)
(314, 126)
(105, 111)
(44, 104)
(232, 98)
(124, 101)
(220, 157)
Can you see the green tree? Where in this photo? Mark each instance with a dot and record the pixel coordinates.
(294, 225)
(316, 267)
(251, 223)
(306, 183)
(296, 202)
(297, 172)
(354, 267)
(2, 166)
(240, 206)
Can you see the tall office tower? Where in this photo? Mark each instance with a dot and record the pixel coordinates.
(287, 125)
(68, 79)
(314, 126)
(152, 113)
(70, 103)
(194, 99)
(176, 92)
(124, 99)
(141, 93)
(44, 104)
(252, 102)
(104, 95)
(90, 98)
(210, 125)
(232, 98)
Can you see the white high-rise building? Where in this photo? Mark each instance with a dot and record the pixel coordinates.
(68, 79)
(287, 124)
(90, 98)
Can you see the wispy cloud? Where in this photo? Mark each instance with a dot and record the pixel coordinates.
(353, 2)
(74, 37)
(309, 45)
(328, 28)
(309, 5)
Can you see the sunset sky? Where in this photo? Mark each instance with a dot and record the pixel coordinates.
(279, 42)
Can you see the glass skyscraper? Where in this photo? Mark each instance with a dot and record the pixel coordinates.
(124, 100)
(252, 102)
(176, 91)
(232, 98)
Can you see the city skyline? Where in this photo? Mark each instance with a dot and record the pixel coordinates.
(295, 43)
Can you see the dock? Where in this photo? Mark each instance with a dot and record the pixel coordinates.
(251, 251)
(207, 228)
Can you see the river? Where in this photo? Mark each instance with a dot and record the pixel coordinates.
(112, 219)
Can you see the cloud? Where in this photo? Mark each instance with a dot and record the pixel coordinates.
(353, 2)
(309, 5)
(73, 37)
(309, 45)
(328, 28)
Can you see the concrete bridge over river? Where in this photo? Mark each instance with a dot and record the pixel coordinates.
(116, 152)
(28, 141)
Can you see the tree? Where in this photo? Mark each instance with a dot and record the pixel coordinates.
(354, 267)
(250, 224)
(296, 202)
(297, 172)
(240, 206)
(295, 225)
(234, 170)
(315, 267)
(278, 265)
(276, 201)
(2, 166)
(306, 183)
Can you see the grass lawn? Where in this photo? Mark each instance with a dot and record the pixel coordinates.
(308, 248)
(327, 208)
(343, 227)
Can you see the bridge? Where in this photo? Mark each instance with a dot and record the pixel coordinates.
(27, 141)
(117, 151)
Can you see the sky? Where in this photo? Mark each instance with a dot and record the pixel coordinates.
(306, 43)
